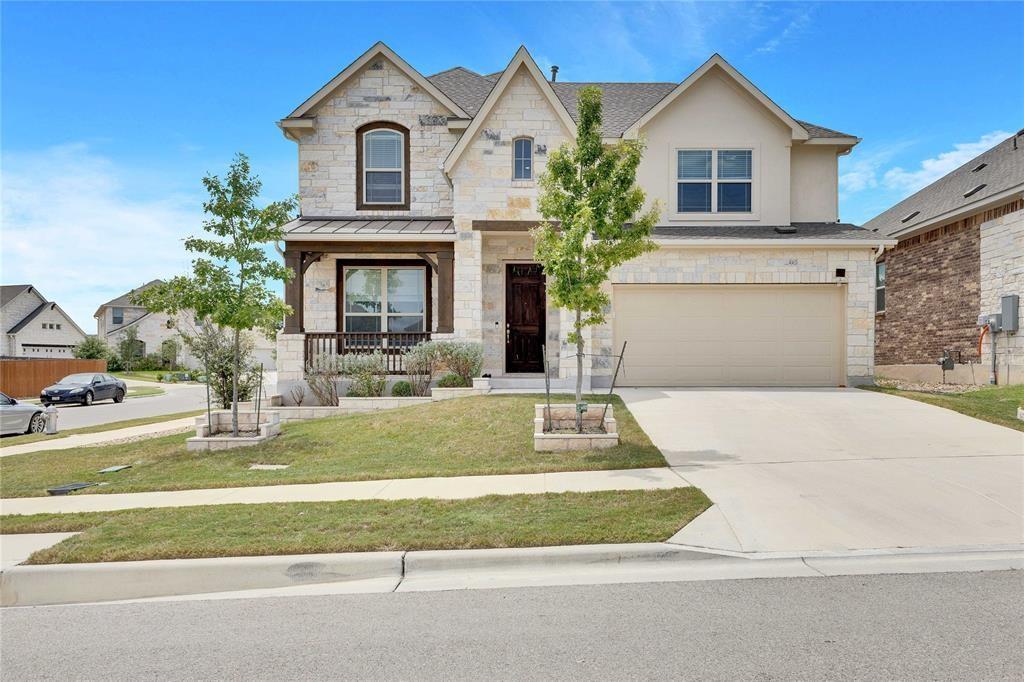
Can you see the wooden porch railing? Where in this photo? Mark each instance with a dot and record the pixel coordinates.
(392, 344)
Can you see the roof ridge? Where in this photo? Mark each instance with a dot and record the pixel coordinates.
(455, 68)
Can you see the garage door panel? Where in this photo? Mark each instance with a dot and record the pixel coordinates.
(739, 335)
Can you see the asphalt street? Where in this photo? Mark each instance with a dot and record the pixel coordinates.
(925, 626)
(176, 398)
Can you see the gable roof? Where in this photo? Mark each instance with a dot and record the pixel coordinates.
(522, 59)
(623, 103)
(124, 300)
(999, 173)
(40, 309)
(378, 50)
(716, 61)
(9, 292)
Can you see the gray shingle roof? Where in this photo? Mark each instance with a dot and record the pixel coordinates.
(624, 103)
(1003, 171)
(803, 231)
(28, 318)
(305, 225)
(9, 292)
(124, 300)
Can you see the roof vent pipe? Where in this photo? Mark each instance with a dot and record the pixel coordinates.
(554, 73)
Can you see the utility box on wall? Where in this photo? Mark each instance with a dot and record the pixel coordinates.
(1010, 310)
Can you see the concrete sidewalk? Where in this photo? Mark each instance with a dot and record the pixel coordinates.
(87, 439)
(456, 487)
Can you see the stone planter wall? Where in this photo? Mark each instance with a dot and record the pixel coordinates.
(480, 386)
(220, 437)
(563, 418)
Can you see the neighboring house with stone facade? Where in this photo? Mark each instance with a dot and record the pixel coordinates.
(960, 250)
(35, 327)
(117, 315)
(418, 193)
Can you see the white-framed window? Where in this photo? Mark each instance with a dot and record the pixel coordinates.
(714, 180)
(383, 166)
(880, 287)
(385, 299)
(522, 158)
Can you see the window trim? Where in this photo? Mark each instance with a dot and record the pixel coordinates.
(382, 263)
(361, 131)
(880, 264)
(515, 158)
(114, 315)
(674, 214)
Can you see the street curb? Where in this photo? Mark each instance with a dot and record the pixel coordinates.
(455, 569)
(75, 583)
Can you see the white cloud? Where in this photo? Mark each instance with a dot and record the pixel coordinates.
(796, 26)
(934, 168)
(73, 228)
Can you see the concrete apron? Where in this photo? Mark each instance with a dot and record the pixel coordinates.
(250, 577)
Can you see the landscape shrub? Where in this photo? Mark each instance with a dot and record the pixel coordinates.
(463, 359)
(401, 389)
(93, 348)
(454, 381)
(323, 373)
(214, 347)
(368, 374)
(421, 363)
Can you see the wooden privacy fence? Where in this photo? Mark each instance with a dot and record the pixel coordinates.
(25, 377)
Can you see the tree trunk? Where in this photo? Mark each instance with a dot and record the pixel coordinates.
(579, 373)
(234, 386)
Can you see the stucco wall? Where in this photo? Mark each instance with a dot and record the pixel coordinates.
(758, 266)
(715, 113)
(1002, 272)
(327, 157)
(815, 184)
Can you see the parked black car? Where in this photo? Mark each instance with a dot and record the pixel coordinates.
(84, 389)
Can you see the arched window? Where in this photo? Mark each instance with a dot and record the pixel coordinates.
(522, 158)
(382, 161)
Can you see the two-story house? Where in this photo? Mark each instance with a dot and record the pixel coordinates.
(116, 316)
(35, 327)
(418, 194)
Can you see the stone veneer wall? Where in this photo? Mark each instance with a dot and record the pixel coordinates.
(1001, 273)
(485, 189)
(153, 330)
(933, 293)
(327, 157)
(723, 265)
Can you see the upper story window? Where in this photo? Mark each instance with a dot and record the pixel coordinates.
(880, 287)
(714, 180)
(522, 154)
(117, 315)
(382, 160)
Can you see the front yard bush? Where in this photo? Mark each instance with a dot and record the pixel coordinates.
(401, 389)
(453, 381)
(368, 374)
(323, 373)
(463, 359)
(421, 363)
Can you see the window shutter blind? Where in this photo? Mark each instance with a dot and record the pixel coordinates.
(734, 164)
(694, 164)
(383, 149)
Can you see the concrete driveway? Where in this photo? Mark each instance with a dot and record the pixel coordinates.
(836, 469)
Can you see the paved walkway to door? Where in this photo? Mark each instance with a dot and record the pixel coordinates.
(836, 469)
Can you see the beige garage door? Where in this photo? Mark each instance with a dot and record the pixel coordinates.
(724, 335)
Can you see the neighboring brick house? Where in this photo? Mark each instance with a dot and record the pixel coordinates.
(960, 249)
(117, 315)
(35, 327)
(417, 195)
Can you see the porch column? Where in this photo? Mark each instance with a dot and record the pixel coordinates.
(293, 290)
(445, 292)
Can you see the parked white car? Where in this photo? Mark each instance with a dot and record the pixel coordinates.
(18, 417)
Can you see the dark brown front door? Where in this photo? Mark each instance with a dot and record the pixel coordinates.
(524, 317)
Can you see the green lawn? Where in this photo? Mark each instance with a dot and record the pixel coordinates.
(143, 375)
(467, 436)
(996, 404)
(35, 437)
(362, 526)
(143, 391)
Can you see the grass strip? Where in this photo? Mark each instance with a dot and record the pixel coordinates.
(468, 436)
(362, 526)
(99, 428)
(995, 404)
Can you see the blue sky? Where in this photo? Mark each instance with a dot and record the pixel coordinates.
(113, 112)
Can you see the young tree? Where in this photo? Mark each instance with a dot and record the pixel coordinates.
(93, 348)
(590, 190)
(228, 284)
(128, 348)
